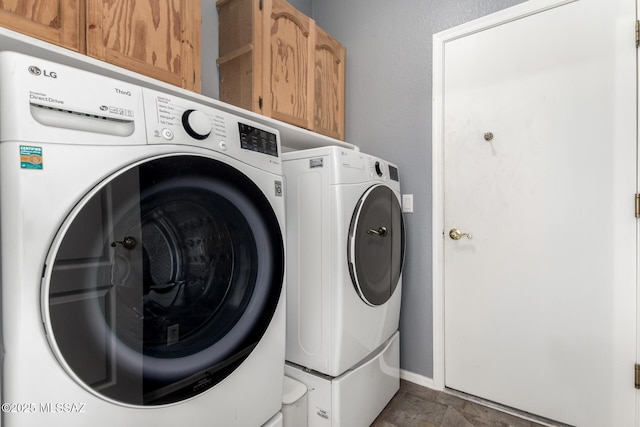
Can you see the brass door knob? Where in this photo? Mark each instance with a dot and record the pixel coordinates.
(456, 234)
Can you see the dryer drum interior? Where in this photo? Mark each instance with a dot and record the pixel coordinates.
(376, 245)
(165, 280)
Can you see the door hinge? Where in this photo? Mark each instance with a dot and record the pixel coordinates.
(260, 7)
(637, 33)
(637, 205)
(637, 376)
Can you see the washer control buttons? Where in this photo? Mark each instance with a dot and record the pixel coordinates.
(223, 145)
(167, 134)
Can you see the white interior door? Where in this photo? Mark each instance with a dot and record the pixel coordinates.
(539, 166)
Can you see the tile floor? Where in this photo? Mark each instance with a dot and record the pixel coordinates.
(416, 406)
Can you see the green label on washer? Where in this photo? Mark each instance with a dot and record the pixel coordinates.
(30, 157)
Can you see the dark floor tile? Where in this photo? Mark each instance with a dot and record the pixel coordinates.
(413, 411)
(391, 406)
(382, 423)
(483, 416)
(418, 390)
(450, 400)
(453, 418)
(417, 406)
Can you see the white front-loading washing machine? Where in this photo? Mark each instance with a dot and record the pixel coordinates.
(345, 252)
(142, 255)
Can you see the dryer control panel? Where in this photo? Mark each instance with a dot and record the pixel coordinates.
(382, 169)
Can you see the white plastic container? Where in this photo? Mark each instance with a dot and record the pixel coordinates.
(294, 403)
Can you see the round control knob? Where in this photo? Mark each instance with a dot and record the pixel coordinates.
(196, 123)
(378, 169)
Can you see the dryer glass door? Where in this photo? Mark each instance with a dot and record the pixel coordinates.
(376, 245)
(163, 280)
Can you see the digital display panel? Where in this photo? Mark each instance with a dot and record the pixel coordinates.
(254, 139)
(393, 173)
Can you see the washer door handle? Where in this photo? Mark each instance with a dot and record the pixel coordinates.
(128, 242)
(382, 231)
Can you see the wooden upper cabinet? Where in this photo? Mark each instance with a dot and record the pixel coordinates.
(241, 45)
(56, 21)
(158, 38)
(329, 84)
(276, 61)
(290, 65)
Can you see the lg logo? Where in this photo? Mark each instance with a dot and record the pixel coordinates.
(37, 71)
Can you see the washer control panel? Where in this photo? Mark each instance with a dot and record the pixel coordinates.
(174, 120)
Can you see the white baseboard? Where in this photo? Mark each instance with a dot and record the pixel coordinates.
(416, 379)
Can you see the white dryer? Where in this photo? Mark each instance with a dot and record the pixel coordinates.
(142, 255)
(345, 251)
(345, 239)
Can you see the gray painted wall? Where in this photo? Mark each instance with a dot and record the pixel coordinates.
(209, 33)
(304, 6)
(388, 114)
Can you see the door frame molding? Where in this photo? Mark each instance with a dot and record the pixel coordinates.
(440, 40)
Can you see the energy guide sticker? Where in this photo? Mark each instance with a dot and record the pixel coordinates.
(30, 157)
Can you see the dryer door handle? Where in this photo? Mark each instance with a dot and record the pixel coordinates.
(382, 231)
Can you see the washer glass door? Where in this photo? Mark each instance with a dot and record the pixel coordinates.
(164, 279)
(376, 245)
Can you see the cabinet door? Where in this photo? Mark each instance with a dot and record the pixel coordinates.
(329, 66)
(57, 22)
(290, 65)
(160, 39)
(241, 42)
